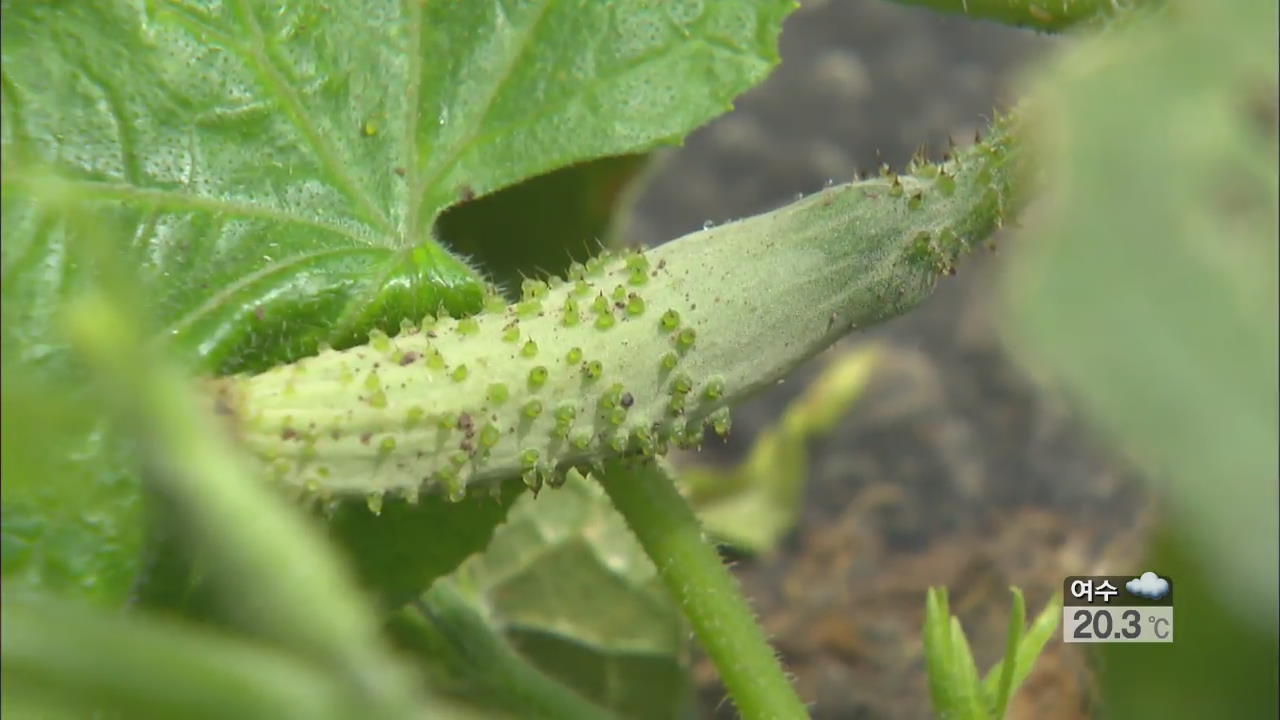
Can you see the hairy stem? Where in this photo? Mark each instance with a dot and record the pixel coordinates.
(708, 594)
(1047, 16)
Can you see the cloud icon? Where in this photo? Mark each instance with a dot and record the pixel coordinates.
(1149, 585)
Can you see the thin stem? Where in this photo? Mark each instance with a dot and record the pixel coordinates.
(1056, 16)
(708, 594)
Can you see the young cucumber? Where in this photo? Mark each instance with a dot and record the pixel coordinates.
(630, 353)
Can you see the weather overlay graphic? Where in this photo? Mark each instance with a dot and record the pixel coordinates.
(1117, 609)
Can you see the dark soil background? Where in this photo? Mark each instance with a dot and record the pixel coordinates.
(954, 468)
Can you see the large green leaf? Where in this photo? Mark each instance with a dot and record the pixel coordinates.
(273, 172)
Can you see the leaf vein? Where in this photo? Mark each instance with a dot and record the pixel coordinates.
(415, 113)
(523, 43)
(176, 201)
(270, 74)
(222, 296)
(540, 112)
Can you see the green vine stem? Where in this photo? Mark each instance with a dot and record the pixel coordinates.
(1044, 15)
(646, 495)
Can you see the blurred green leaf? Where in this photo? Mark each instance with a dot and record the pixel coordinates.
(567, 584)
(1218, 664)
(67, 525)
(273, 570)
(61, 660)
(1148, 284)
(752, 505)
(273, 173)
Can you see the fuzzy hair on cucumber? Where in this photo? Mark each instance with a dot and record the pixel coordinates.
(631, 353)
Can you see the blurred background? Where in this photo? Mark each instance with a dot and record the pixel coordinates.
(953, 467)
